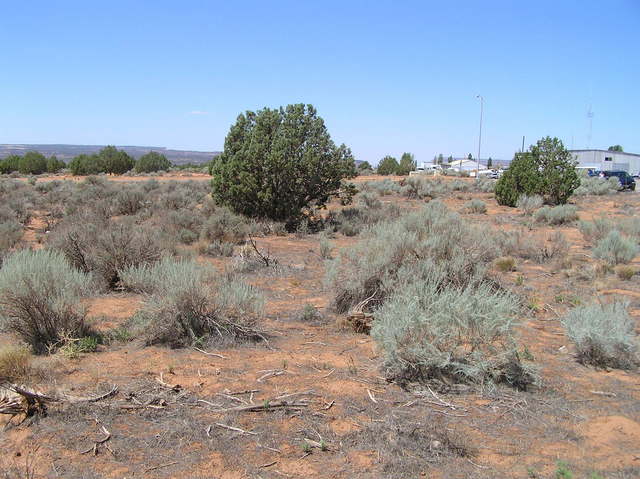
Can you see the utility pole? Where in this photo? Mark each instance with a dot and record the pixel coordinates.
(522, 149)
(479, 135)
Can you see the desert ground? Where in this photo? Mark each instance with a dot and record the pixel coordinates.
(311, 398)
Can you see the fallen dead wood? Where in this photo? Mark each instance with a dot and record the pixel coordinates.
(99, 442)
(175, 387)
(270, 374)
(236, 429)
(160, 466)
(266, 406)
(16, 399)
(301, 393)
(604, 393)
(329, 405)
(210, 354)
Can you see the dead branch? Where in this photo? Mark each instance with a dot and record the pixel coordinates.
(329, 405)
(210, 354)
(265, 258)
(161, 466)
(175, 387)
(604, 393)
(270, 374)
(16, 399)
(247, 391)
(266, 406)
(233, 398)
(236, 429)
(75, 399)
(96, 444)
(301, 393)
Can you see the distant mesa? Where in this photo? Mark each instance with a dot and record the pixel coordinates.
(67, 152)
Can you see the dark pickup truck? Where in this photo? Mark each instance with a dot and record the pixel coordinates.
(626, 180)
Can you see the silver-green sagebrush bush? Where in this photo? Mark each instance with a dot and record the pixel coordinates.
(616, 248)
(475, 206)
(187, 303)
(437, 313)
(529, 204)
(466, 334)
(556, 215)
(434, 235)
(592, 185)
(604, 335)
(40, 296)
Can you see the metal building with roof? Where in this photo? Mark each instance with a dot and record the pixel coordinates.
(605, 160)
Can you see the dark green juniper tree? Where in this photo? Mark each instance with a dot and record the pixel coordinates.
(152, 161)
(388, 166)
(279, 162)
(547, 169)
(407, 164)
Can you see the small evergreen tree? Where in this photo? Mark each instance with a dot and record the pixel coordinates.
(54, 164)
(277, 163)
(615, 148)
(557, 168)
(114, 161)
(547, 169)
(86, 165)
(407, 164)
(521, 178)
(440, 159)
(10, 164)
(32, 163)
(152, 161)
(489, 162)
(388, 166)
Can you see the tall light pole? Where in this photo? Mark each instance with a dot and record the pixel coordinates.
(480, 135)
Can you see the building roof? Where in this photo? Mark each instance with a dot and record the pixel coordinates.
(605, 151)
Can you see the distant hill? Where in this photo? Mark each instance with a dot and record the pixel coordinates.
(67, 152)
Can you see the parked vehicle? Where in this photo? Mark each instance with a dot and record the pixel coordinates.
(626, 180)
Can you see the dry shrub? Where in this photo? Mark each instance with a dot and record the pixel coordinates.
(529, 204)
(625, 273)
(225, 225)
(15, 363)
(616, 248)
(436, 311)
(414, 242)
(594, 231)
(40, 296)
(408, 446)
(106, 247)
(188, 305)
(430, 330)
(556, 215)
(604, 335)
(505, 264)
(475, 206)
(593, 185)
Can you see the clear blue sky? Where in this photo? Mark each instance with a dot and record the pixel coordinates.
(387, 77)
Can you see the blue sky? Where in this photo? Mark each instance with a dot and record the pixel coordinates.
(387, 77)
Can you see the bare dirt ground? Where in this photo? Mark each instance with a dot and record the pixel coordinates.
(349, 421)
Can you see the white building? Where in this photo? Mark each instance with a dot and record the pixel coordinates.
(466, 165)
(605, 160)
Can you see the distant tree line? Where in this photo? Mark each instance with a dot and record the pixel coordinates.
(108, 160)
(31, 163)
